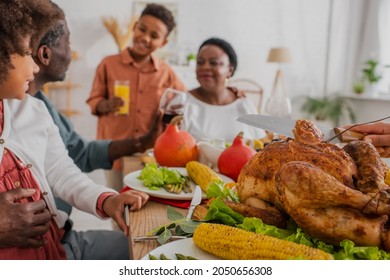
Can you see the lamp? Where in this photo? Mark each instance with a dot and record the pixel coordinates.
(279, 105)
(279, 55)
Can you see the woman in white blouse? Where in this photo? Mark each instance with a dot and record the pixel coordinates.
(212, 109)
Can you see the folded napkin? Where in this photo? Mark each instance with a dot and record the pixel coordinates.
(172, 202)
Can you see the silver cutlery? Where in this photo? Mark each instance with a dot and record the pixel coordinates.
(196, 200)
(146, 238)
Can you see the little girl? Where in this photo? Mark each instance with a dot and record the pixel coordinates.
(32, 154)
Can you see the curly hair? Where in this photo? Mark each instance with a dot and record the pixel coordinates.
(20, 19)
(54, 34)
(162, 13)
(226, 47)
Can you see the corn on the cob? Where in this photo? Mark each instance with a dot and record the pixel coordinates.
(237, 244)
(201, 174)
(387, 178)
(258, 144)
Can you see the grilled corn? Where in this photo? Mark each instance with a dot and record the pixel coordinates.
(387, 178)
(201, 174)
(237, 244)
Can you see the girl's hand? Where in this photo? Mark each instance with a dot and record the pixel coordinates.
(114, 206)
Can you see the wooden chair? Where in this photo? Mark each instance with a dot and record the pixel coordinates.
(251, 88)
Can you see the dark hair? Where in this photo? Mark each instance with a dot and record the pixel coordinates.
(162, 13)
(53, 35)
(18, 20)
(226, 47)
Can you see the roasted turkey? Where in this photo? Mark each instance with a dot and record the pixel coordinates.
(332, 193)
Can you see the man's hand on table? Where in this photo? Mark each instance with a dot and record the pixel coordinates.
(114, 206)
(22, 224)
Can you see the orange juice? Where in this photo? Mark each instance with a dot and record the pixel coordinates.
(122, 90)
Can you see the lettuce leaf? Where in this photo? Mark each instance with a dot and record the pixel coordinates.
(349, 251)
(171, 176)
(345, 251)
(217, 189)
(220, 212)
(155, 178)
(257, 225)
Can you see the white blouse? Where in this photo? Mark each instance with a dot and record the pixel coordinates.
(206, 121)
(30, 133)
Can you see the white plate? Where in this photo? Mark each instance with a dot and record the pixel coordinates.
(182, 246)
(136, 184)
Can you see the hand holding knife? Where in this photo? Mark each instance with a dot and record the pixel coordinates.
(285, 127)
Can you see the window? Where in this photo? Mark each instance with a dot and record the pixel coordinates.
(384, 45)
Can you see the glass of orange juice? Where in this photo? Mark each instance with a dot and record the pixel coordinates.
(122, 90)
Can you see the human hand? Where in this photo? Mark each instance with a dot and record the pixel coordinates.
(114, 206)
(378, 134)
(22, 224)
(172, 102)
(110, 105)
(149, 139)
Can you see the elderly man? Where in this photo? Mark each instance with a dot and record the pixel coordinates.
(53, 57)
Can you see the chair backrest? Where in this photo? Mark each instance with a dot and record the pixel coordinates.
(251, 88)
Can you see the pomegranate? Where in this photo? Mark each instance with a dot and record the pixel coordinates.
(233, 159)
(175, 147)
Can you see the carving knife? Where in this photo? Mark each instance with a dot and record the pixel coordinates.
(285, 127)
(196, 200)
(154, 237)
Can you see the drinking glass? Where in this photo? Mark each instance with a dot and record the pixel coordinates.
(172, 103)
(122, 90)
(278, 106)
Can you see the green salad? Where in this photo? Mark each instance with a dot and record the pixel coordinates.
(155, 178)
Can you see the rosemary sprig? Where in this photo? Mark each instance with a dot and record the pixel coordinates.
(179, 226)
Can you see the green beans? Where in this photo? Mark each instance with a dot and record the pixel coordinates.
(183, 257)
(152, 257)
(163, 257)
(178, 257)
(178, 188)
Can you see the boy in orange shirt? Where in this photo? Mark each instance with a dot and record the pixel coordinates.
(148, 77)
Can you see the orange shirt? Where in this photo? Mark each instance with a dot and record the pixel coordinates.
(146, 88)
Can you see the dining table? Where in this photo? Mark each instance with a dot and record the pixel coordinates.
(141, 222)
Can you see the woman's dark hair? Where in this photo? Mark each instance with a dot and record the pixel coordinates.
(226, 47)
(162, 13)
(20, 19)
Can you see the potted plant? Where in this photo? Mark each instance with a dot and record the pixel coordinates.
(370, 77)
(370, 73)
(359, 87)
(331, 108)
(191, 58)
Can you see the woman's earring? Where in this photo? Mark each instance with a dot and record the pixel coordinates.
(226, 82)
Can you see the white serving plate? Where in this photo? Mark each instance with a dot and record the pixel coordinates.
(183, 246)
(131, 181)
